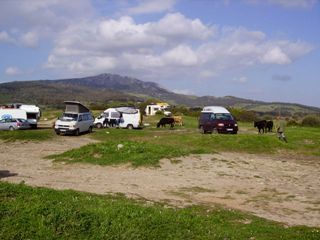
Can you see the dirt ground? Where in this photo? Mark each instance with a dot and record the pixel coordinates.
(275, 187)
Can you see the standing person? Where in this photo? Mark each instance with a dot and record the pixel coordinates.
(120, 120)
(281, 125)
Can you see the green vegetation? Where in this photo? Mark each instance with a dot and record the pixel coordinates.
(110, 152)
(27, 135)
(39, 213)
(311, 121)
(148, 146)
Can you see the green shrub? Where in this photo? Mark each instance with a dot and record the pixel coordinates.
(243, 115)
(311, 121)
(292, 122)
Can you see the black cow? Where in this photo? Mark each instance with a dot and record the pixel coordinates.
(261, 125)
(269, 126)
(164, 121)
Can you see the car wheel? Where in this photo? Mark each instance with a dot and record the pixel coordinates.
(99, 125)
(202, 131)
(90, 130)
(77, 132)
(58, 133)
(11, 128)
(130, 126)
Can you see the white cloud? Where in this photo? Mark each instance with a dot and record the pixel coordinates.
(6, 38)
(30, 39)
(293, 3)
(286, 3)
(174, 47)
(133, 45)
(152, 6)
(275, 55)
(181, 55)
(11, 71)
(34, 20)
(176, 25)
(240, 79)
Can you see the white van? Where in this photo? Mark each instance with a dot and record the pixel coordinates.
(123, 117)
(75, 119)
(13, 113)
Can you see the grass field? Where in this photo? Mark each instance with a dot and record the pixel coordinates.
(147, 146)
(39, 213)
(27, 135)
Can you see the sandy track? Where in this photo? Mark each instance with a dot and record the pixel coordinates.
(273, 187)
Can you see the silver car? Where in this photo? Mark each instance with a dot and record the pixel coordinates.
(14, 124)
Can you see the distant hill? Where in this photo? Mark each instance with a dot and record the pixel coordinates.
(104, 88)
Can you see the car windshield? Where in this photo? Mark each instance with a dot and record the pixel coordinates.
(69, 117)
(223, 116)
(22, 120)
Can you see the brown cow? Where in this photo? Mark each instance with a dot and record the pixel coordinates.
(178, 120)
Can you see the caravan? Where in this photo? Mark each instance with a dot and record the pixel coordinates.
(12, 113)
(33, 114)
(123, 117)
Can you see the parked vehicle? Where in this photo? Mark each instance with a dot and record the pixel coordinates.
(13, 124)
(12, 113)
(123, 117)
(218, 120)
(33, 114)
(76, 119)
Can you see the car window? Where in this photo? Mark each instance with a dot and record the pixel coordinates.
(224, 116)
(205, 116)
(212, 116)
(69, 117)
(115, 115)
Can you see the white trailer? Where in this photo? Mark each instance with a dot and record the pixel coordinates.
(33, 114)
(12, 113)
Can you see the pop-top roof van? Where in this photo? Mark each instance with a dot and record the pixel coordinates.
(76, 119)
(217, 119)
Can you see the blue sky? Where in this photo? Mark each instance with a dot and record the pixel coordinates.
(257, 49)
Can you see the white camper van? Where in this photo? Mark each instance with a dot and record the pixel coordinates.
(75, 119)
(123, 117)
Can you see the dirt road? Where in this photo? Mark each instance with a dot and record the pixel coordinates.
(273, 187)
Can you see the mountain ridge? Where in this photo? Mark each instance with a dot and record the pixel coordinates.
(108, 87)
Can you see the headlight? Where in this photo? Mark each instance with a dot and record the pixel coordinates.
(220, 124)
(236, 125)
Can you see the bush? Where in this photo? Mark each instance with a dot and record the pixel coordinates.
(311, 121)
(292, 122)
(243, 115)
